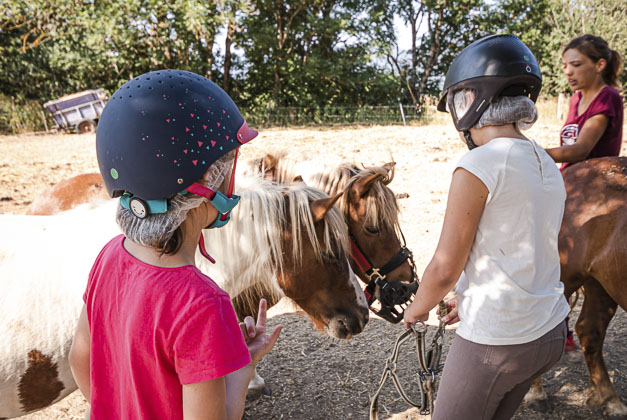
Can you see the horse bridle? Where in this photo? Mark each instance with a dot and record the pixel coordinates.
(394, 297)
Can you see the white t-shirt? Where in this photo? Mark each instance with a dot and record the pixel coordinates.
(510, 291)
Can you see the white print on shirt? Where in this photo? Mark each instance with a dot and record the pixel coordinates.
(569, 133)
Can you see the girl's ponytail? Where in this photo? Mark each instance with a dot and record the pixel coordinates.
(613, 68)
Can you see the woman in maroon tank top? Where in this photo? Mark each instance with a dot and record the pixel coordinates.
(594, 125)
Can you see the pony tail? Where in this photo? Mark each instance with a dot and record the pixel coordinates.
(613, 68)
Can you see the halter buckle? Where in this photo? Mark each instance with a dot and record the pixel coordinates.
(375, 273)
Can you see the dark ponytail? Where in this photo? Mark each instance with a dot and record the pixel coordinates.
(595, 48)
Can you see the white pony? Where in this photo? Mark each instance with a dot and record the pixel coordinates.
(45, 262)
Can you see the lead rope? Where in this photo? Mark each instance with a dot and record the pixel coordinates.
(428, 362)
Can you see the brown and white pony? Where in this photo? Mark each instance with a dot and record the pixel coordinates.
(291, 240)
(369, 206)
(593, 254)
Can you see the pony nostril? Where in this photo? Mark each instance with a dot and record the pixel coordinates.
(343, 327)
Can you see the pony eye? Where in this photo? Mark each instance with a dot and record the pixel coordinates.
(373, 230)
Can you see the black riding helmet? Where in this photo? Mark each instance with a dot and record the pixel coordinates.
(161, 131)
(494, 66)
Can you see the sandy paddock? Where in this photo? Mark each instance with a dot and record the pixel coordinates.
(313, 376)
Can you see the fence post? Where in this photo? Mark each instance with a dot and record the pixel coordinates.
(43, 118)
(560, 106)
(402, 113)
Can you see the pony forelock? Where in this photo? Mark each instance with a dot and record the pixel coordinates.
(381, 203)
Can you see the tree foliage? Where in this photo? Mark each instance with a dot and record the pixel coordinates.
(572, 18)
(270, 53)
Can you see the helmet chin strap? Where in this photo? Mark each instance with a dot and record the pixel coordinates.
(224, 205)
(471, 144)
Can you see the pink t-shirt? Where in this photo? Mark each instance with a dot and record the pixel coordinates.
(608, 102)
(153, 330)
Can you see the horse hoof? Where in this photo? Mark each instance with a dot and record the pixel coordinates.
(615, 410)
(255, 394)
(541, 406)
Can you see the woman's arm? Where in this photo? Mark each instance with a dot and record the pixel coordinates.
(466, 199)
(79, 354)
(589, 136)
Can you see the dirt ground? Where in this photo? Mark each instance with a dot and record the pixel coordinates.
(311, 375)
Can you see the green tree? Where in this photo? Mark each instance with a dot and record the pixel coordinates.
(439, 30)
(572, 18)
(314, 53)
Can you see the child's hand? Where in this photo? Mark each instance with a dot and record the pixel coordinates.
(259, 344)
(452, 316)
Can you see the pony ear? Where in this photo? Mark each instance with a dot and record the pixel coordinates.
(267, 166)
(363, 185)
(269, 161)
(390, 167)
(319, 208)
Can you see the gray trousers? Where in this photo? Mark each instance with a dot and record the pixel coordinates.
(489, 382)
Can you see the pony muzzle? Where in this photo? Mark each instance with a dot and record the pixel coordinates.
(346, 326)
(390, 299)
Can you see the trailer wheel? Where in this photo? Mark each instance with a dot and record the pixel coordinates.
(87, 126)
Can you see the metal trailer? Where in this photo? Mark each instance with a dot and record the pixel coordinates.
(79, 111)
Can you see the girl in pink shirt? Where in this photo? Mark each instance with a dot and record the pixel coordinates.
(157, 338)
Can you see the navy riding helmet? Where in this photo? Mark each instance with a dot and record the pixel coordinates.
(160, 132)
(493, 66)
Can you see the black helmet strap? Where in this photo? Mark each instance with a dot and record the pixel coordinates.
(469, 142)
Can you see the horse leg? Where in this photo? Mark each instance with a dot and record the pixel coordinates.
(596, 313)
(536, 398)
(257, 387)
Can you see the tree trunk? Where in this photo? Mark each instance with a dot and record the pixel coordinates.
(226, 84)
(277, 85)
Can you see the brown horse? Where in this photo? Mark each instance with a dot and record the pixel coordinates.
(593, 254)
(370, 211)
(68, 194)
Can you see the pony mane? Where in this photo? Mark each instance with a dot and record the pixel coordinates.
(381, 204)
(255, 235)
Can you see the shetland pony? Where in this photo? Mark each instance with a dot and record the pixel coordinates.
(291, 240)
(369, 206)
(371, 214)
